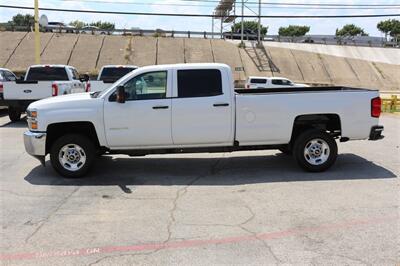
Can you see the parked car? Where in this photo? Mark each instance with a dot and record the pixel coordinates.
(270, 82)
(40, 81)
(54, 26)
(5, 75)
(94, 30)
(108, 75)
(189, 108)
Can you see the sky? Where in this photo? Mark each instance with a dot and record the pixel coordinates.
(318, 26)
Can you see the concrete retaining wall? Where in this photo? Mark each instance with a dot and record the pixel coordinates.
(309, 63)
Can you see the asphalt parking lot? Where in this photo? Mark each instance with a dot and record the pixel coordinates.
(246, 208)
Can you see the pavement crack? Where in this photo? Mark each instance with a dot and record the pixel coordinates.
(254, 234)
(180, 193)
(43, 222)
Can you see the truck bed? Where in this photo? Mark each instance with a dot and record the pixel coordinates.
(273, 112)
(299, 89)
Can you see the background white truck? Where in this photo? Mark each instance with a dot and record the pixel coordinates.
(188, 108)
(108, 75)
(40, 81)
(270, 82)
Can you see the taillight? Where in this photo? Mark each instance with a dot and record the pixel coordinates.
(88, 86)
(376, 107)
(54, 89)
(1, 88)
(247, 86)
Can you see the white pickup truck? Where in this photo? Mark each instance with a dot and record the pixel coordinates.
(270, 83)
(40, 81)
(108, 75)
(189, 108)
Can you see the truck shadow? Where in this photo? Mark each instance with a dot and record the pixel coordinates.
(223, 171)
(19, 124)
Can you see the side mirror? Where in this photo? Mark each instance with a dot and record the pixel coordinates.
(84, 78)
(121, 94)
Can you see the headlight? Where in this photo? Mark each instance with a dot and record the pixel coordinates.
(32, 119)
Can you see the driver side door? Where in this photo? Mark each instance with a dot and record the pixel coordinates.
(144, 120)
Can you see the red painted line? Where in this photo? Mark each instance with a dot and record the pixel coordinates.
(193, 243)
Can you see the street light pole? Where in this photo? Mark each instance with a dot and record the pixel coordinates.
(242, 27)
(37, 33)
(259, 22)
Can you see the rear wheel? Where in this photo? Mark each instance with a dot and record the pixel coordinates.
(315, 151)
(14, 113)
(72, 155)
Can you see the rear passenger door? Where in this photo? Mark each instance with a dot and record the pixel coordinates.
(202, 108)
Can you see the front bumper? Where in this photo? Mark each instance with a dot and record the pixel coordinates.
(35, 144)
(376, 133)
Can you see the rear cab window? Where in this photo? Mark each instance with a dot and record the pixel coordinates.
(199, 83)
(47, 73)
(114, 73)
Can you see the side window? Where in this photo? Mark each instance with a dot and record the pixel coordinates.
(9, 76)
(75, 74)
(259, 81)
(152, 85)
(277, 82)
(199, 83)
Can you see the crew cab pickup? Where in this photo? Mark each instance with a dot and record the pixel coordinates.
(40, 81)
(108, 75)
(189, 108)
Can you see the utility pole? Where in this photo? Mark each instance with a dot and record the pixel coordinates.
(37, 33)
(242, 30)
(212, 26)
(259, 22)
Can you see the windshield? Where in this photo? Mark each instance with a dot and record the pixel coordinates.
(115, 73)
(47, 74)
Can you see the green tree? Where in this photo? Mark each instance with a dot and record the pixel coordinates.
(251, 26)
(350, 30)
(104, 25)
(390, 27)
(293, 31)
(22, 20)
(77, 24)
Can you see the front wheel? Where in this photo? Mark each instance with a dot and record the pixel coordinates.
(72, 155)
(315, 151)
(14, 113)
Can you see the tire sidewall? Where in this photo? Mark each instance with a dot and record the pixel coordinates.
(14, 114)
(85, 143)
(300, 144)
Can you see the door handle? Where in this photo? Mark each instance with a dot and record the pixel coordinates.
(161, 107)
(221, 104)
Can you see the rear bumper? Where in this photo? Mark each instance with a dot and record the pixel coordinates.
(35, 145)
(376, 133)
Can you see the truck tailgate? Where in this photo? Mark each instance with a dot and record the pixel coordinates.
(27, 91)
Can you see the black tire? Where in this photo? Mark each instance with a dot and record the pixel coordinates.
(286, 150)
(88, 149)
(14, 114)
(303, 160)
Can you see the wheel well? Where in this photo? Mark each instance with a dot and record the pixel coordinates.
(54, 131)
(326, 122)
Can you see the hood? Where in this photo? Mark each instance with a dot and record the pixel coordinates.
(70, 99)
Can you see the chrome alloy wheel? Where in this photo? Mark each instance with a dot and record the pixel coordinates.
(316, 152)
(72, 157)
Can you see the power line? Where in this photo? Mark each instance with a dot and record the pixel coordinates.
(197, 15)
(201, 5)
(298, 4)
